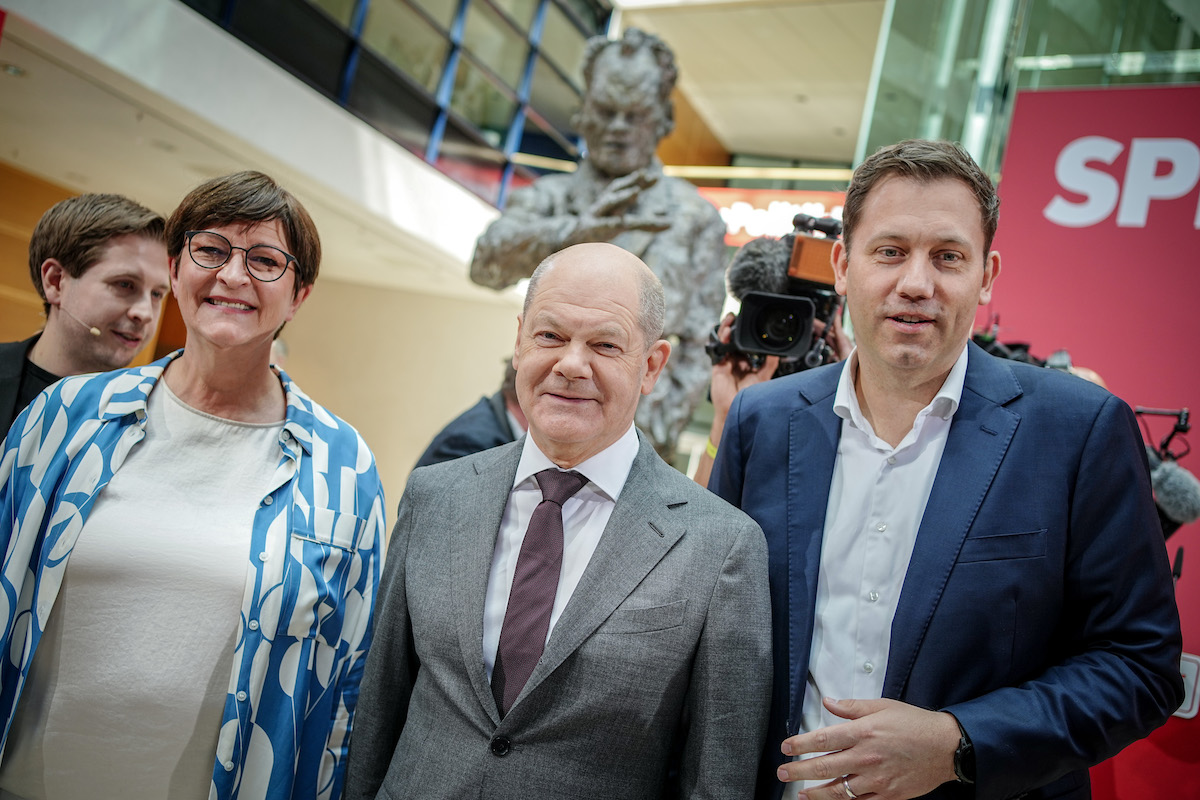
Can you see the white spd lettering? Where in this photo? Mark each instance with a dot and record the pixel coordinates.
(1177, 159)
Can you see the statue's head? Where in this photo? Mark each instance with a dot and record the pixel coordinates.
(626, 101)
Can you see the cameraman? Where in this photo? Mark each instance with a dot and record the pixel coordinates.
(732, 374)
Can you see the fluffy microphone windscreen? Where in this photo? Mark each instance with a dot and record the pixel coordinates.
(1177, 492)
(760, 265)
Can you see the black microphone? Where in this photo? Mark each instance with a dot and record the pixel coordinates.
(92, 329)
(1176, 492)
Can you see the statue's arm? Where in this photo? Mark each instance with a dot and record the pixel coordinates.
(526, 233)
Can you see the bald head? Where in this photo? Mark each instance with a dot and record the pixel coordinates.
(614, 262)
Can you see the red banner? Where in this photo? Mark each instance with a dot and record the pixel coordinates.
(1100, 254)
(1099, 235)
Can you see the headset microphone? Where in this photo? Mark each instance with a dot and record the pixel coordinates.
(92, 329)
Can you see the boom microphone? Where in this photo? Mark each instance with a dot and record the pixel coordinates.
(92, 329)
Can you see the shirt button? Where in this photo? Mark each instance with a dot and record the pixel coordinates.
(881, 527)
(868, 667)
(268, 500)
(500, 746)
(873, 596)
(262, 556)
(891, 459)
(253, 625)
(241, 696)
(228, 765)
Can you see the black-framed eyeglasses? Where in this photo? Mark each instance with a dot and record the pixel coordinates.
(212, 251)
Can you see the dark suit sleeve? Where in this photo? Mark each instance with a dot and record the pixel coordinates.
(727, 702)
(1116, 675)
(391, 668)
(481, 427)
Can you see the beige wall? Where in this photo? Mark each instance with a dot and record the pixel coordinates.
(397, 365)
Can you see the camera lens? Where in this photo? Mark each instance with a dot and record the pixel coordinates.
(778, 327)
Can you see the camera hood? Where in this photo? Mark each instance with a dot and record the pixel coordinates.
(773, 324)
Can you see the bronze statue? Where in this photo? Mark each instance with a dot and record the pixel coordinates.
(620, 195)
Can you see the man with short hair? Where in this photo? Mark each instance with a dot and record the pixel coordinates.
(970, 593)
(567, 615)
(100, 265)
(620, 195)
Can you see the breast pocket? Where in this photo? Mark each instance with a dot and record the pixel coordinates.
(1005, 546)
(322, 570)
(645, 620)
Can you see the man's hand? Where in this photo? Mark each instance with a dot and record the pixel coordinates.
(609, 215)
(734, 373)
(888, 750)
(729, 376)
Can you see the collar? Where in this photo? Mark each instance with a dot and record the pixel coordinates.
(944, 403)
(129, 389)
(608, 469)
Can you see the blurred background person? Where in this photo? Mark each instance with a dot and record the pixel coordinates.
(100, 266)
(491, 422)
(202, 539)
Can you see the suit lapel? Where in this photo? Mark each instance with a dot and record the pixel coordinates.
(481, 498)
(638, 534)
(810, 471)
(979, 437)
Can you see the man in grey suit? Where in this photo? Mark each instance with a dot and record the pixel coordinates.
(655, 672)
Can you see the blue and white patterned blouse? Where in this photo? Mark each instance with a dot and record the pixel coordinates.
(306, 619)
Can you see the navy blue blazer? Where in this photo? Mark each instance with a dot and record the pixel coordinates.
(1038, 606)
(481, 427)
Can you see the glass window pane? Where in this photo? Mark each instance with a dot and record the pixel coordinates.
(297, 36)
(387, 102)
(400, 36)
(563, 43)
(482, 103)
(494, 43)
(593, 15)
(521, 11)
(472, 164)
(442, 11)
(537, 141)
(552, 97)
(339, 10)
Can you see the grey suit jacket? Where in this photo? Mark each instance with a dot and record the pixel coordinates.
(658, 666)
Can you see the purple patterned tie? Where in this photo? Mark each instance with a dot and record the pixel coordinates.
(535, 582)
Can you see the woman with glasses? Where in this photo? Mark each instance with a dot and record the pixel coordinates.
(191, 548)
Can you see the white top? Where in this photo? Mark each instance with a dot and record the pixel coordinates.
(126, 691)
(876, 500)
(584, 516)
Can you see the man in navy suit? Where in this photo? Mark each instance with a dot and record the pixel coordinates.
(970, 593)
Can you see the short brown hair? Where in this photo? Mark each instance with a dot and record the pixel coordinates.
(925, 160)
(76, 232)
(249, 197)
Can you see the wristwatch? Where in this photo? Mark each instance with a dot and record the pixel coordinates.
(964, 757)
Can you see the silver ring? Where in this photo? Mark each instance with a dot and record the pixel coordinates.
(846, 785)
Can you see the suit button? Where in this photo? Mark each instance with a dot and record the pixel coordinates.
(500, 746)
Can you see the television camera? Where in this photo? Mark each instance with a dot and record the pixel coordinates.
(783, 285)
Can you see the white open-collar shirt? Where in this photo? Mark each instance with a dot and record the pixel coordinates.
(876, 500)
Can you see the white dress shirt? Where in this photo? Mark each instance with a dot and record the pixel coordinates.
(585, 515)
(876, 500)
